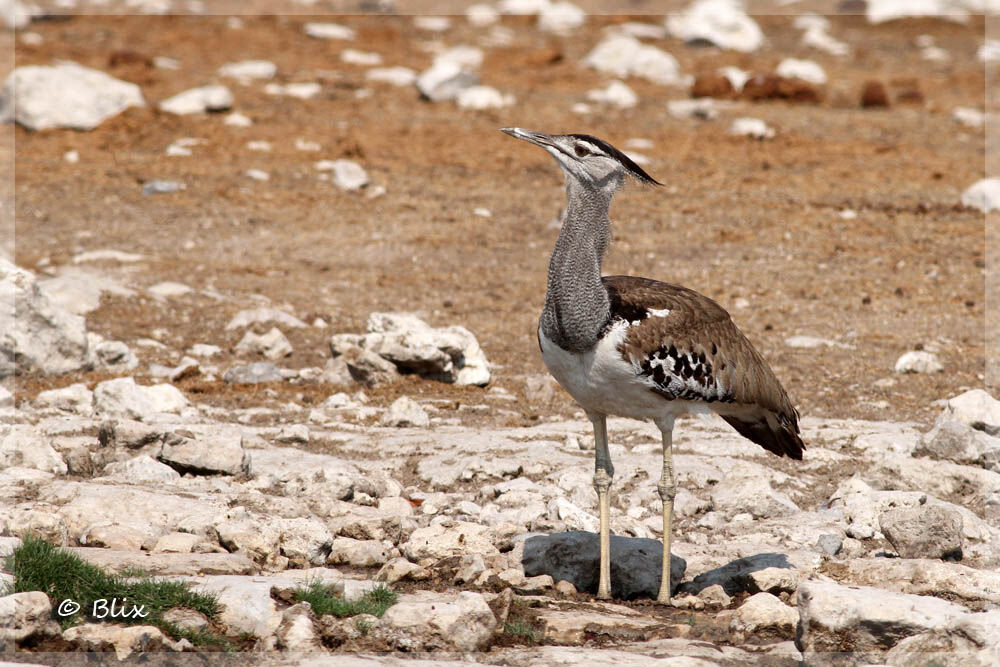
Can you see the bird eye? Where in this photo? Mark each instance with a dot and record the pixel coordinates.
(581, 150)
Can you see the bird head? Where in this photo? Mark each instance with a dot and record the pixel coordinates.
(592, 162)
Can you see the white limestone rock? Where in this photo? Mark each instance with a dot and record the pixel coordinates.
(250, 535)
(398, 569)
(449, 354)
(64, 95)
(616, 94)
(347, 174)
(246, 318)
(972, 639)
(445, 80)
(397, 76)
(24, 615)
(272, 345)
(871, 619)
(180, 543)
(723, 23)
(561, 17)
(918, 361)
(450, 538)
(297, 631)
(166, 397)
(247, 70)
(466, 57)
(358, 365)
(362, 58)
(107, 255)
(303, 90)
(701, 108)
(808, 342)
(806, 70)
(209, 454)
(483, 97)
(404, 411)
(117, 535)
(976, 408)
(35, 334)
(76, 398)
(24, 447)
(122, 397)
(881, 11)
(204, 350)
(923, 532)
(198, 100)
(735, 494)
(79, 291)
(983, 195)
(624, 55)
(169, 290)
(481, 15)
(124, 640)
(572, 516)
(762, 612)
(322, 30)
(923, 576)
(141, 469)
(462, 621)
(956, 441)
(754, 128)
(304, 540)
(360, 553)
(862, 505)
(111, 355)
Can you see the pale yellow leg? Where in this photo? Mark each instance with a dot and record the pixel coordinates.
(603, 473)
(668, 489)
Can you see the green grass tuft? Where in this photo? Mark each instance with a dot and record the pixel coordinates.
(325, 601)
(520, 629)
(39, 566)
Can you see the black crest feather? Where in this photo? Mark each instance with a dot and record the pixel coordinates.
(631, 166)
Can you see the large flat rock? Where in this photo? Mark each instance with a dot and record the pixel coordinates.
(168, 564)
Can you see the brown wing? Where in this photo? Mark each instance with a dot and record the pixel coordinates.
(695, 352)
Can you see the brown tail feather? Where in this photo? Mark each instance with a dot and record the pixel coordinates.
(783, 440)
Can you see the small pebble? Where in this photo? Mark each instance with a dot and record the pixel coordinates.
(158, 187)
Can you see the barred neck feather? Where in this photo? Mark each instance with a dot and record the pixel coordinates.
(577, 306)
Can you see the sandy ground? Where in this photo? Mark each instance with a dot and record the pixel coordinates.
(745, 222)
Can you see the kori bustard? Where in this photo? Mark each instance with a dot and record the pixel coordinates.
(640, 348)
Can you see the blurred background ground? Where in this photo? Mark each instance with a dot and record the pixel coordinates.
(757, 225)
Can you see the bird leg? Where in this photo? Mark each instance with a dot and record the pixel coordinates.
(668, 489)
(603, 472)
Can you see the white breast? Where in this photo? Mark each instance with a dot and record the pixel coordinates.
(602, 381)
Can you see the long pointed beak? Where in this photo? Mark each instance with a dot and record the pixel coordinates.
(537, 138)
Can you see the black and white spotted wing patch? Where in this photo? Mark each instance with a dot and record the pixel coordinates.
(685, 346)
(685, 374)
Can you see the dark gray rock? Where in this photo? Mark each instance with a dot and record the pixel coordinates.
(738, 576)
(574, 556)
(924, 532)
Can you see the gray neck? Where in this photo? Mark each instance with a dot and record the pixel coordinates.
(576, 303)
